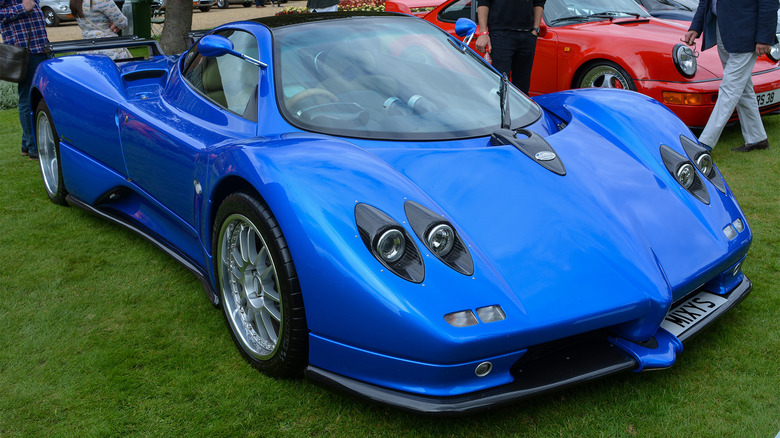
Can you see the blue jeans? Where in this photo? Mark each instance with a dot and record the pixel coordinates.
(25, 112)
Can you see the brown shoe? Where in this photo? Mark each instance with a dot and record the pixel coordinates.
(747, 147)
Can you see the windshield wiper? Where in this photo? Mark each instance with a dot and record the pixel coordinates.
(503, 94)
(606, 14)
(571, 18)
(613, 14)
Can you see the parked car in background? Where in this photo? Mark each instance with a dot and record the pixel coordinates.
(55, 12)
(681, 10)
(617, 44)
(224, 4)
(202, 5)
(374, 207)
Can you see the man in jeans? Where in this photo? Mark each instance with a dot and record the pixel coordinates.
(513, 27)
(22, 24)
(746, 32)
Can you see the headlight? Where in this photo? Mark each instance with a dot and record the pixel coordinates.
(703, 160)
(389, 243)
(774, 52)
(684, 173)
(704, 163)
(440, 237)
(684, 60)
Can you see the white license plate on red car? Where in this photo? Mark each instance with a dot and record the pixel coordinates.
(691, 312)
(768, 97)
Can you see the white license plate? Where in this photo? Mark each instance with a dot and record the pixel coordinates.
(690, 312)
(768, 98)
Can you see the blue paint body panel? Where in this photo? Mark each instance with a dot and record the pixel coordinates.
(607, 247)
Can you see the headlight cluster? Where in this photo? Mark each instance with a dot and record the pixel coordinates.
(684, 169)
(393, 246)
(703, 160)
(685, 60)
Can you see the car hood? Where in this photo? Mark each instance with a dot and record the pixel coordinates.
(652, 39)
(614, 235)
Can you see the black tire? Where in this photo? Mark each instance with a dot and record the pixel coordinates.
(604, 74)
(265, 315)
(48, 143)
(246, 5)
(223, 4)
(50, 18)
(205, 8)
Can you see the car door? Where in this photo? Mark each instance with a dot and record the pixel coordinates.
(165, 140)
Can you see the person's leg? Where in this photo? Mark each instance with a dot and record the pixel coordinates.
(523, 60)
(502, 51)
(25, 111)
(737, 68)
(749, 117)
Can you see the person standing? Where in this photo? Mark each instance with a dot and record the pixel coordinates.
(100, 19)
(746, 32)
(323, 5)
(513, 27)
(22, 24)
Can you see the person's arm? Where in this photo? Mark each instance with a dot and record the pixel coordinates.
(538, 11)
(117, 18)
(10, 11)
(483, 38)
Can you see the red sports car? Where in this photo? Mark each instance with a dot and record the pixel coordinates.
(616, 43)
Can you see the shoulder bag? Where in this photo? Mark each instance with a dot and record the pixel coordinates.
(13, 63)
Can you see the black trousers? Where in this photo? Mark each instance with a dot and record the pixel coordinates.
(513, 52)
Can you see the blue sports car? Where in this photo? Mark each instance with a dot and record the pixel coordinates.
(374, 207)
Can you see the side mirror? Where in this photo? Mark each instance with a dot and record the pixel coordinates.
(465, 27)
(214, 46)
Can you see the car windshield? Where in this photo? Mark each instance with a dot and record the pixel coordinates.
(563, 12)
(388, 78)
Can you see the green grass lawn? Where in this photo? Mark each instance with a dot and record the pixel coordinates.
(104, 335)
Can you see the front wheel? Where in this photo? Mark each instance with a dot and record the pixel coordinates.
(605, 75)
(205, 8)
(258, 286)
(50, 18)
(223, 4)
(49, 155)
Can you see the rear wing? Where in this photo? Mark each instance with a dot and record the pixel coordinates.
(417, 8)
(127, 42)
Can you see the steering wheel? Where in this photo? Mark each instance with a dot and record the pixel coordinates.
(318, 93)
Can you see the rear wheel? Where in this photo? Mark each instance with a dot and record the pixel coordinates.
(258, 286)
(49, 154)
(205, 8)
(223, 4)
(605, 75)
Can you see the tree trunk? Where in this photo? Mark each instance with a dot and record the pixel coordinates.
(178, 22)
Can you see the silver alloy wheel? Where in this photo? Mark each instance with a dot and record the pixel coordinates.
(605, 76)
(250, 287)
(47, 152)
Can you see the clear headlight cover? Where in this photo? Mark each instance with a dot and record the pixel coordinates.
(685, 60)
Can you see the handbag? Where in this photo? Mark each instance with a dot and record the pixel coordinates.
(13, 63)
